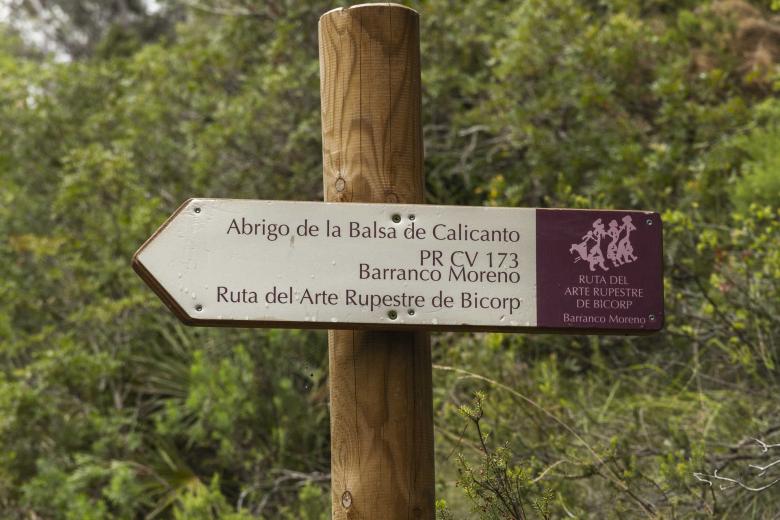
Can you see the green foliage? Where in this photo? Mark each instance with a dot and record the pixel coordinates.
(111, 409)
(760, 181)
(498, 488)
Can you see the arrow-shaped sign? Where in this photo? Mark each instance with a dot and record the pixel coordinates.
(316, 264)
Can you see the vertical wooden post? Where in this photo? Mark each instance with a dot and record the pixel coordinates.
(380, 381)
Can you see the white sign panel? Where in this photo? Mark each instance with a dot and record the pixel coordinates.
(278, 263)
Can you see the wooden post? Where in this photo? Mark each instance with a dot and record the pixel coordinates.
(380, 381)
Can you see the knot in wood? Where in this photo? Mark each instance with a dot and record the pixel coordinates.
(346, 500)
(391, 196)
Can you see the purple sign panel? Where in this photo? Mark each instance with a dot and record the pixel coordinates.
(599, 270)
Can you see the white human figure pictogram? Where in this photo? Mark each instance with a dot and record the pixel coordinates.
(620, 251)
(612, 247)
(625, 250)
(594, 256)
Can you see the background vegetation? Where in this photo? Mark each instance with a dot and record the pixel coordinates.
(113, 112)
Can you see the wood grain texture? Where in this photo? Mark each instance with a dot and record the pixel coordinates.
(380, 381)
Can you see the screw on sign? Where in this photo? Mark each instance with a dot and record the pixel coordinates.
(384, 270)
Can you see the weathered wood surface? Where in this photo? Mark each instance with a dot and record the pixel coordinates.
(380, 382)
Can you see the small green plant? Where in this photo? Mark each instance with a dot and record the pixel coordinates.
(498, 487)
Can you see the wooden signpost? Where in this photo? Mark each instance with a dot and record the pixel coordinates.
(383, 271)
(407, 266)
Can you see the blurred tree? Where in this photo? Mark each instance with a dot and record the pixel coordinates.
(79, 28)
